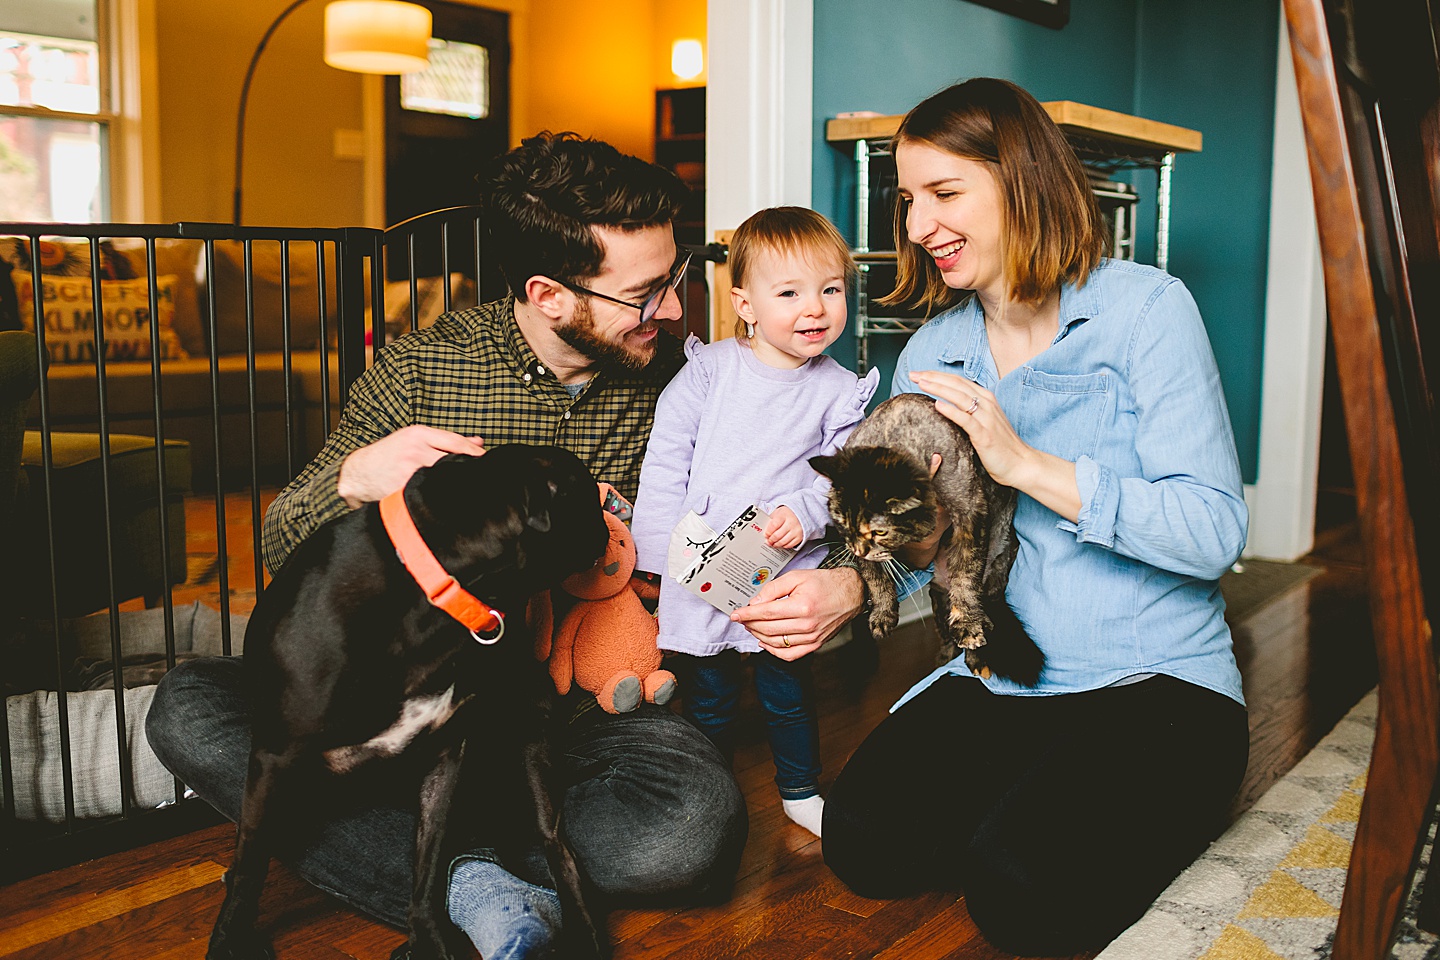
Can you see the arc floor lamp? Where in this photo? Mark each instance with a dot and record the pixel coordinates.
(365, 36)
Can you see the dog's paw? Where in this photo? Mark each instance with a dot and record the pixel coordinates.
(239, 946)
(586, 943)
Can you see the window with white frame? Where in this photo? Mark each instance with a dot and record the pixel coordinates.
(56, 111)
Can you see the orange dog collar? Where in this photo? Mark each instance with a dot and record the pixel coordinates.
(485, 623)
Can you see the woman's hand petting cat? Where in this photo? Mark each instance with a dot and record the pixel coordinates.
(798, 611)
(1008, 459)
(970, 405)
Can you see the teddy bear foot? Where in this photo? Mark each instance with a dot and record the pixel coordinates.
(621, 694)
(660, 686)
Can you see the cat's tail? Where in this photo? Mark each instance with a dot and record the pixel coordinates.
(1008, 649)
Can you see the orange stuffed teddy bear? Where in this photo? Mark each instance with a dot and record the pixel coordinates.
(606, 643)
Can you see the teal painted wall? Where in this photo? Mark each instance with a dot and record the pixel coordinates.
(1210, 65)
(1204, 64)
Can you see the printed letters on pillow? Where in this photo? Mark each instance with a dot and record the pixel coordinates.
(69, 307)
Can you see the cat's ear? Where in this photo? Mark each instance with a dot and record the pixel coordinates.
(903, 504)
(825, 466)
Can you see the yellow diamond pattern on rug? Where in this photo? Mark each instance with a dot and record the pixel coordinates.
(1346, 809)
(1283, 896)
(1238, 944)
(1320, 848)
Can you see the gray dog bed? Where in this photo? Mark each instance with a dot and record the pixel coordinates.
(34, 715)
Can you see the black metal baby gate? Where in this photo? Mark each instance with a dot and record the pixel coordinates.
(181, 374)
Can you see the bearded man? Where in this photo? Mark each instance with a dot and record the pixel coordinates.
(574, 357)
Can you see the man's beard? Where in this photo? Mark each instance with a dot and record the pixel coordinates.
(580, 334)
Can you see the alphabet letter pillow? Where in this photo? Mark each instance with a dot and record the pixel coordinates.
(69, 309)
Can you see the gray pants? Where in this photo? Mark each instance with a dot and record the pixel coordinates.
(652, 810)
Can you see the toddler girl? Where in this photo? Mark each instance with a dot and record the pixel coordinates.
(736, 427)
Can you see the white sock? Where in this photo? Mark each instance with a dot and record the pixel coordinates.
(505, 917)
(805, 812)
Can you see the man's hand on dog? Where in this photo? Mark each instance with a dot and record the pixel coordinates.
(374, 472)
(796, 612)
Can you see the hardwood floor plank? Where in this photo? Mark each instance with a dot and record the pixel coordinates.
(887, 923)
(949, 933)
(81, 912)
(374, 942)
(856, 904)
(194, 950)
(779, 917)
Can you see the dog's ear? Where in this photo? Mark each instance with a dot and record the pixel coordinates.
(539, 516)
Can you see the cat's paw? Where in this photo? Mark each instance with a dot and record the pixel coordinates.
(975, 660)
(969, 628)
(883, 620)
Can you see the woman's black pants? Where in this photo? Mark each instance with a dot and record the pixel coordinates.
(1062, 817)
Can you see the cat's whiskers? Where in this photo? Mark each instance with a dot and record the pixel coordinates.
(899, 573)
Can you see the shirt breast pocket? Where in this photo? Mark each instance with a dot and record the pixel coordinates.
(1062, 414)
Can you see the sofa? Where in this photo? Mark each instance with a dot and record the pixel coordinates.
(291, 413)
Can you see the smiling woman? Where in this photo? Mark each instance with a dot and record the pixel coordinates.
(1088, 385)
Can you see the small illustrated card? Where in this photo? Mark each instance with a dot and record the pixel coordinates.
(736, 564)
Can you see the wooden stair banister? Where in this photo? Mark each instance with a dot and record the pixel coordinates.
(1371, 132)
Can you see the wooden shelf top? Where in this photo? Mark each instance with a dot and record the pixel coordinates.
(1067, 114)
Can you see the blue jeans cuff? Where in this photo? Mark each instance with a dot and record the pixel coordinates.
(798, 793)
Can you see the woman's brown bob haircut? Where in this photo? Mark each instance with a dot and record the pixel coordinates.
(795, 231)
(1052, 233)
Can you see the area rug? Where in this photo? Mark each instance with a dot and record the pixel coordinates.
(1270, 887)
(1251, 584)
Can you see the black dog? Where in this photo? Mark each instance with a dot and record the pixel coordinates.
(348, 659)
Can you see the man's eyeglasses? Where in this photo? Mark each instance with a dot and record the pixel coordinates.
(651, 304)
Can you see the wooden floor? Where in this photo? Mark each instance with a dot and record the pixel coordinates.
(1306, 658)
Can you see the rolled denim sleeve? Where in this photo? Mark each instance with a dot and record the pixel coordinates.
(1099, 503)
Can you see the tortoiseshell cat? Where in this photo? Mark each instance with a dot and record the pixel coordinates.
(883, 496)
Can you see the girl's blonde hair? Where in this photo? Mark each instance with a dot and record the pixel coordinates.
(786, 230)
(1052, 232)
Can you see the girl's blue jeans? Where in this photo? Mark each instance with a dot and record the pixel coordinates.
(710, 687)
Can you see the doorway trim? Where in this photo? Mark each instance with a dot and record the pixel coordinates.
(759, 125)
(1282, 499)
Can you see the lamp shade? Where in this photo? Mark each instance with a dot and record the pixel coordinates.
(687, 59)
(377, 36)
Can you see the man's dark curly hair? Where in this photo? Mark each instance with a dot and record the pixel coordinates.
(542, 199)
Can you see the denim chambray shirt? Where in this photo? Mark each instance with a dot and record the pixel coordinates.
(1128, 392)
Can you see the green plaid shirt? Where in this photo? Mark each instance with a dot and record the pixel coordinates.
(473, 373)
